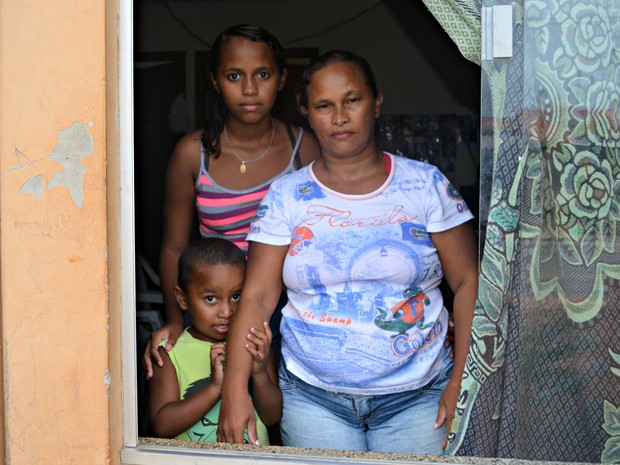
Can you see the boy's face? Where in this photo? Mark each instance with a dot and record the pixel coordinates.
(212, 297)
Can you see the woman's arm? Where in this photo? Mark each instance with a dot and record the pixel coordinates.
(266, 394)
(458, 254)
(170, 415)
(179, 209)
(261, 291)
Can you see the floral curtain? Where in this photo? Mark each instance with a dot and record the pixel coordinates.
(543, 376)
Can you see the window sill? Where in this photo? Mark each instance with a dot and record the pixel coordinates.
(152, 451)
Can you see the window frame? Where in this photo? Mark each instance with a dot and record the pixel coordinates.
(133, 452)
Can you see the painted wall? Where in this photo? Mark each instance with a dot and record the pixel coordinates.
(53, 238)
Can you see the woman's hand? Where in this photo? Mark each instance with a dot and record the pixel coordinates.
(236, 416)
(171, 332)
(447, 407)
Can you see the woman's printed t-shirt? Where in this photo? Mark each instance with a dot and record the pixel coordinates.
(227, 213)
(191, 358)
(365, 315)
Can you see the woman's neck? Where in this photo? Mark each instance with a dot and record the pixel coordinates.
(355, 175)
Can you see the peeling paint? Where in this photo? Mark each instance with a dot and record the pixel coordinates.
(74, 144)
(107, 380)
(33, 186)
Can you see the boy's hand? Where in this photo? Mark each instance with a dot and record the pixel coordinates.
(258, 344)
(218, 360)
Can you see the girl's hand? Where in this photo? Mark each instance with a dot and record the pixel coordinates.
(218, 361)
(447, 407)
(171, 332)
(258, 345)
(449, 342)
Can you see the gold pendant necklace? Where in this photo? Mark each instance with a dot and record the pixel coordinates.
(243, 168)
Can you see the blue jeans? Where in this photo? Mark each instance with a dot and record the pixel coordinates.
(401, 422)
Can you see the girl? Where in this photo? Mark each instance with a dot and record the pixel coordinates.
(362, 239)
(225, 170)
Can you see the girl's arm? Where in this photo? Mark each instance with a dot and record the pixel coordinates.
(458, 254)
(171, 416)
(266, 394)
(179, 209)
(261, 291)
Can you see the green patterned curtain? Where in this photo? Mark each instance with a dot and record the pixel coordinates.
(543, 376)
(461, 21)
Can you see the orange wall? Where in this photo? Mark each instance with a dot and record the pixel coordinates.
(54, 231)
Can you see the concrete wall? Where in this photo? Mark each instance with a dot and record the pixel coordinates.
(53, 238)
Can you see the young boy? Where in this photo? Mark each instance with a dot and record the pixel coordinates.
(185, 391)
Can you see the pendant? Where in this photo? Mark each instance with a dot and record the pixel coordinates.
(242, 168)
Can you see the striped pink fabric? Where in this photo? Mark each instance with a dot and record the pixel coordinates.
(226, 212)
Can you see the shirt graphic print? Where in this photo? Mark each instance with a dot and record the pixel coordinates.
(365, 314)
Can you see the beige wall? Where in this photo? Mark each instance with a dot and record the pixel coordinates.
(54, 231)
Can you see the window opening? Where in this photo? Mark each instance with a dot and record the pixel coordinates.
(171, 98)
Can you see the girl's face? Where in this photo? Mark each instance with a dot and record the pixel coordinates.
(248, 79)
(212, 297)
(342, 110)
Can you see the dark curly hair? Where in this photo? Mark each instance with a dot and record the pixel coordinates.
(206, 252)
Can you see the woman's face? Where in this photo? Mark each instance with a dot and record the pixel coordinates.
(248, 78)
(342, 110)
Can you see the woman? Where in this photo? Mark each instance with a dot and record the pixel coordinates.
(362, 240)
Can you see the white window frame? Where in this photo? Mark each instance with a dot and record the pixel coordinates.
(132, 452)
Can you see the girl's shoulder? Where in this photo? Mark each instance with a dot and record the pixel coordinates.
(189, 143)
(309, 149)
(186, 154)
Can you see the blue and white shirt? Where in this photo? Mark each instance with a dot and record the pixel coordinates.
(365, 315)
